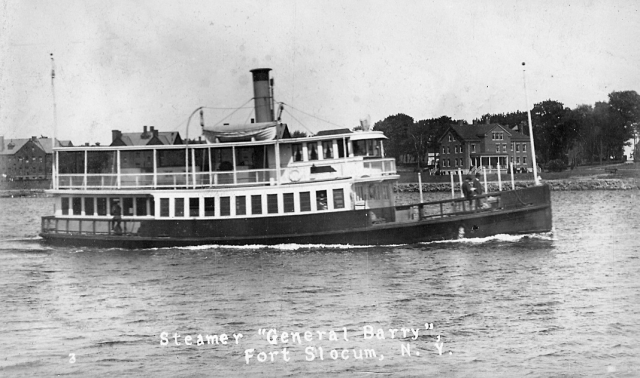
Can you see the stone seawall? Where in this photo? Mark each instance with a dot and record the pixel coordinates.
(591, 184)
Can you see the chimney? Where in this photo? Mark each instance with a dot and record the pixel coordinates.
(34, 138)
(460, 123)
(262, 88)
(115, 134)
(144, 135)
(86, 144)
(1, 143)
(488, 120)
(155, 132)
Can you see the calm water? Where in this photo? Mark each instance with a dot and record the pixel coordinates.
(559, 304)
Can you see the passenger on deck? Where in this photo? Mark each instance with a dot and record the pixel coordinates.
(478, 190)
(116, 211)
(467, 190)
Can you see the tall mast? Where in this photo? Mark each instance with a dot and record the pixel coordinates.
(533, 147)
(54, 173)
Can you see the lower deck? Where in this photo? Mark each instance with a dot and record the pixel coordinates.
(524, 210)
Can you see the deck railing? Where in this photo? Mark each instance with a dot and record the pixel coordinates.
(79, 226)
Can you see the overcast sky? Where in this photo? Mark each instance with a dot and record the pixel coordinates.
(125, 64)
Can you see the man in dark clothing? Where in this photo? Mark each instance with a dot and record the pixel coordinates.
(478, 190)
(116, 211)
(467, 190)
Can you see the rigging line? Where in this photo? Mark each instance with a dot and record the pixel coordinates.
(233, 112)
(210, 107)
(311, 115)
(301, 124)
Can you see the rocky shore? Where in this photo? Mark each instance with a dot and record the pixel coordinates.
(588, 184)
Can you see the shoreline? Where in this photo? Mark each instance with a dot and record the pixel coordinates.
(556, 185)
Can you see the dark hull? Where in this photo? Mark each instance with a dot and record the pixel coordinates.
(523, 211)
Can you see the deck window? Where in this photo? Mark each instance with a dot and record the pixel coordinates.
(241, 205)
(164, 207)
(65, 205)
(305, 201)
(179, 207)
(287, 199)
(327, 149)
(341, 148)
(338, 198)
(272, 203)
(194, 207)
(141, 206)
(225, 206)
(88, 206)
(313, 151)
(256, 204)
(102, 206)
(127, 206)
(296, 151)
(321, 200)
(76, 203)
(209, 207)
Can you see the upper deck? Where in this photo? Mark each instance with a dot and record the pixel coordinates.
(219, 165)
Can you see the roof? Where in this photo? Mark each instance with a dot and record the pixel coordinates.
(45, 143)
(333, 132)
(17, 145)
(136, 139)
(475, 132)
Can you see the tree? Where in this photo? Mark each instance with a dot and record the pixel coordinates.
(555, 129)
(396, 128)
(298, 134)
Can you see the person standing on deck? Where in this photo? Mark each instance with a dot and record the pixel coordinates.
(467, 190)
(116, 211)
(478, 190)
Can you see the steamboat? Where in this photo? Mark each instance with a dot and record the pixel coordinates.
(255, 184)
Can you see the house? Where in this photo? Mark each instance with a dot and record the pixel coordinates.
(471, 147)
(27, 158)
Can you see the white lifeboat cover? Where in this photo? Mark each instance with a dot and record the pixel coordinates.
(240, 132)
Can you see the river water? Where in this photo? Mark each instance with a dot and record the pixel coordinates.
(564, 304)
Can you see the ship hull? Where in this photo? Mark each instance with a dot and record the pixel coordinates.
(525, 211)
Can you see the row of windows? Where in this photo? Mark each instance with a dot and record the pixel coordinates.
(459, 162)
(460, 149)
(244, 205)
(335, 149)
(92, 206)
(457, 149)
(517, 146)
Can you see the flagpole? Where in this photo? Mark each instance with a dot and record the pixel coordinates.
(533, 148)
(54, 167)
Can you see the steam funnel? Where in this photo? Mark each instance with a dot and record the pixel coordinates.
(262, 96)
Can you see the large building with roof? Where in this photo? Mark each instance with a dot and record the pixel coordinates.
(477, 146)
(27, 158)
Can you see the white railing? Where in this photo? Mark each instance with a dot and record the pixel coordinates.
(379, 167)
(164, 180)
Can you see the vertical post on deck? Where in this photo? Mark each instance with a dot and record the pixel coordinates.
(453, 193)
(155, 168)
(460, 177)
(420, 185)
(499, 178)
(484, 172)
(513, 183)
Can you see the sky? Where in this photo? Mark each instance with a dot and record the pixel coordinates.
(121, 65)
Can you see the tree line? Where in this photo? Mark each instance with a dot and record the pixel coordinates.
(586, 134)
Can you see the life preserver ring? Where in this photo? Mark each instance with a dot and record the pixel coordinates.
(294, 176)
